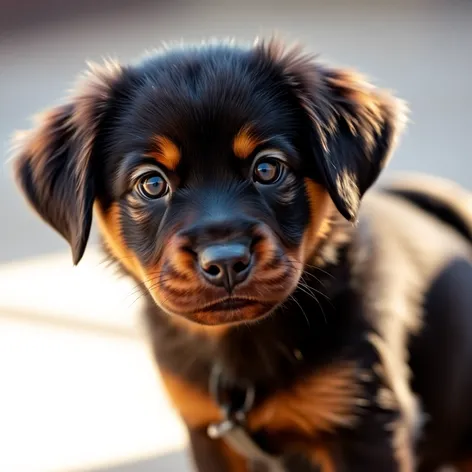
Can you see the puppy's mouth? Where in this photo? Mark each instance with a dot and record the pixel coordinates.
(225, 311)
(230, 310)
(229, 304)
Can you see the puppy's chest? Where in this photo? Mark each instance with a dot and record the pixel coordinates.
(313, 405)
(302, 388)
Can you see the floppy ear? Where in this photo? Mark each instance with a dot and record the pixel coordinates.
(355, 126)
(356, 129)
(54, 162)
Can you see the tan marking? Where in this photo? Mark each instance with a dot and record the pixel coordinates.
(321, 403)
(195, 407)
(245, 143)
(110, 228)
(322, 457)
(321, 211)
(181, 262)
(166, 153)
(266, 247)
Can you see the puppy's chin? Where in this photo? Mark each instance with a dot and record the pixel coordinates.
(227, 310)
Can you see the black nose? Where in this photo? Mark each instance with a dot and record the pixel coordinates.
(226, 264)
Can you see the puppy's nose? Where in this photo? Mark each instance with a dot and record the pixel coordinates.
(226, 264)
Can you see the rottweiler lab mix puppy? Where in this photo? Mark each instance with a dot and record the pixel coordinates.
(292, 331)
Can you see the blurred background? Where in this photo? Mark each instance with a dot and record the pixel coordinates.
(78, 389)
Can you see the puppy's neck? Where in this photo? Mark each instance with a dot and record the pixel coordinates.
(306, 330)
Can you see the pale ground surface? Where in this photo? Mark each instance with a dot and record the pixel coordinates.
(78, 390)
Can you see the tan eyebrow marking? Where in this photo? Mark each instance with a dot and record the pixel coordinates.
(245, 142)
(167, 152)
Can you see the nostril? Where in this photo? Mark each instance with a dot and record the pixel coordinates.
(212, 270)
(240, 266)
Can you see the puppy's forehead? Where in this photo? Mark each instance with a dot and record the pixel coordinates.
(201, 102)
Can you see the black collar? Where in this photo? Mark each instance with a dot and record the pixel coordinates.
(236, 402)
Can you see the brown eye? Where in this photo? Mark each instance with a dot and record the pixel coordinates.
(267, 172)
(152, 186)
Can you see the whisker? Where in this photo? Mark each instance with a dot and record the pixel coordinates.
(314, 277)
(303, 289)
(313, 289)
(290, 264)
(141, 285)
(302, 310)
(320, 269)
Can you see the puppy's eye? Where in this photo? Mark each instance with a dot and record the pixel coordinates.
(267, 171)
(152, 186)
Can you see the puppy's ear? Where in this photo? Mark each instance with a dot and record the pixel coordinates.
(55, 162)
(355, 126)
(356, 129)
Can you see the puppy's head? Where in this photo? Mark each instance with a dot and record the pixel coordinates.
(213, 170)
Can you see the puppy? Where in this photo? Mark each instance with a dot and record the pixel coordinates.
(293, 331)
